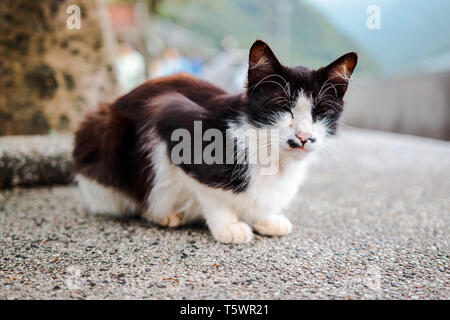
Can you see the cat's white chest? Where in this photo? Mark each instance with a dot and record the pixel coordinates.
(173, 189)
(275, 192)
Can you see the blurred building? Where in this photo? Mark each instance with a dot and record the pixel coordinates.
(418, 105)
(162, 46)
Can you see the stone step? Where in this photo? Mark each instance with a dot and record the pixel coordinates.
(27, 161)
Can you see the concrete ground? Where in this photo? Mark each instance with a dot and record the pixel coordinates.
(372, 221)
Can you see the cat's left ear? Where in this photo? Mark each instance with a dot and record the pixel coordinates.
(262, 62)
(338, 73)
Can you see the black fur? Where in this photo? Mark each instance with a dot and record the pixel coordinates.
(112, 144)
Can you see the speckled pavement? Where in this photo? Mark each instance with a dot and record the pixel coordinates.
(372, 221)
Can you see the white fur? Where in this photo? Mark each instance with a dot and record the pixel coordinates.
(223, 210)
(170, 193)
(229, 215)
(101, 199)
(301, 122)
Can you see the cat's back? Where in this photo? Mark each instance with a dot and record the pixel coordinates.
(193, 88)
(109, 141)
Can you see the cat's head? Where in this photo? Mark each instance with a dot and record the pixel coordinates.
(303, 104)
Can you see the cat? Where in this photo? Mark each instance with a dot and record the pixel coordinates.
(123, 153)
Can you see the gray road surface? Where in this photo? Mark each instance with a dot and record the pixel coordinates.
(372, 221)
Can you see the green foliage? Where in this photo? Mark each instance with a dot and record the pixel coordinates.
(312, 39)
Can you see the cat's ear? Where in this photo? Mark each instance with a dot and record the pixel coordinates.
(337, 74)
(262, 62)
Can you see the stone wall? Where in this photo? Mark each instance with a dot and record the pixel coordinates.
(49, 74)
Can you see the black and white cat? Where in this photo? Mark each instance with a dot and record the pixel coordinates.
(124, 150)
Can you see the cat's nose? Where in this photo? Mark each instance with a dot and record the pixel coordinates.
(304, 137)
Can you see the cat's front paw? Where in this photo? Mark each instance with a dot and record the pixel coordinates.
(238, 232)
(275, 225)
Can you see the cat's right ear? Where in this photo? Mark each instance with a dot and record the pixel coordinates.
(262, 62)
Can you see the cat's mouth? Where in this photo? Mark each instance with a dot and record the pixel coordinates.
(295, 146)
(299, 149)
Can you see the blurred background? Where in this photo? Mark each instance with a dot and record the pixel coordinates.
(52, 72)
